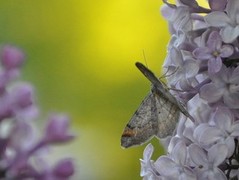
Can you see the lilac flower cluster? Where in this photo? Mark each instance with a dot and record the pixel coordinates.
(202, 60)
(23, 152)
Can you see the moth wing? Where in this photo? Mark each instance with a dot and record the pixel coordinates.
(166, 93)
(143, 125)
(167, 116)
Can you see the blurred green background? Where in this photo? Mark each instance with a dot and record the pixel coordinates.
(80, 58)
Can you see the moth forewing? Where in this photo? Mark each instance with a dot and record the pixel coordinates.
(167, 116)
(143, 124)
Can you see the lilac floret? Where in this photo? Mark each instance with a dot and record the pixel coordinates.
(57, 129)
(213, 52)
(12, 57)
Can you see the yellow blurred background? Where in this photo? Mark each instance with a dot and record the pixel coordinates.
(80, 58)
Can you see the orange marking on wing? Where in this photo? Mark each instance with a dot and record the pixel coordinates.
(129, 133)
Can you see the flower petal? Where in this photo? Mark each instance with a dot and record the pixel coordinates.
(217, 19)
(11, 57)
(232, 8)
(197, 155)
(198, 130)
(235, 129)
(214, 41)
(57, 129)
(211, 93)
(226, 51)
(214, 65)
(234, 77)
(64, 168)
(229, 33)
(176, 57)
(148, 151)
(179, 153)
(202, 53)
(223, 118)
(216, 174)
(232, 100)
(208, 135)
(217, 154)
(230, 143)
(191, 67)
(166, 166)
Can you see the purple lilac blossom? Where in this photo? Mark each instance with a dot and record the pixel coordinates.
(22, 149)
(203, 64)
(213, 52)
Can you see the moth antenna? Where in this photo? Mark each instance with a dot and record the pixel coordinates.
(167, 75)
(145, 59)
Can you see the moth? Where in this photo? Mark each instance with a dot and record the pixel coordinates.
(157, 115)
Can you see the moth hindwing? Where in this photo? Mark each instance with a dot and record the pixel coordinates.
(157, 115)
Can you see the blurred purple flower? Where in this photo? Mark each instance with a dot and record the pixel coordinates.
(61, 171)
(57, 129)
(20, 145)
(64, 169)
(11, 57)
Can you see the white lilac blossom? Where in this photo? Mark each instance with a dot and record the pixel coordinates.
(22, 150)
(203, 65)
